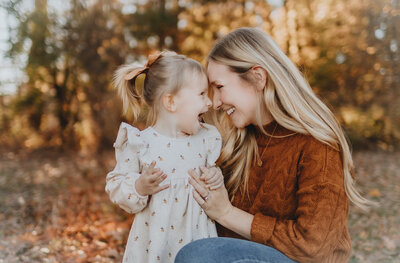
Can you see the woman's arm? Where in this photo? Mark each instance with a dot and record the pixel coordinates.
(219, 208)
(319, 223)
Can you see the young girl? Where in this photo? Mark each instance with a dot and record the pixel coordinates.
(150, 178)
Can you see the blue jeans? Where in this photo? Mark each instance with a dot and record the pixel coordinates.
(232, 250)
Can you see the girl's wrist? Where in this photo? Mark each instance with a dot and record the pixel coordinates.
(138, 188)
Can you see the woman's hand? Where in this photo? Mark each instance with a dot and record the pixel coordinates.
(149, 181)
(212, 176)
(215, 203)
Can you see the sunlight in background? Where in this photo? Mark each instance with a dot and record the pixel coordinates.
(11, 73)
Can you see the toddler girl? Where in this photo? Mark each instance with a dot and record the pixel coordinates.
(150, 178)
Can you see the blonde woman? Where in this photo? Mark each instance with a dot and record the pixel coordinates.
(285, 159)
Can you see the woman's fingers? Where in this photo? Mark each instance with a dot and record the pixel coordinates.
(198, 185)
(198, 198)
(193, 173)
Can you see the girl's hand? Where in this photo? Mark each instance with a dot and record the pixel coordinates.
(213, 177)
(148, 182)
(215, 203)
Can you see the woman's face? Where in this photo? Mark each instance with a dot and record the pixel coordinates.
(237, 97)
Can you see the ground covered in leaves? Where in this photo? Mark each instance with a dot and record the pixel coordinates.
(53, 208)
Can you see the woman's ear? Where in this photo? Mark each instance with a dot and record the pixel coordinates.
(168, 101)
(260, 77)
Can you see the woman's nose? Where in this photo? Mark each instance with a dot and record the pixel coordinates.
(209, 103)
(216, 101)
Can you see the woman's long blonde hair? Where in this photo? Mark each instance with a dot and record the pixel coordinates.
(289, 99)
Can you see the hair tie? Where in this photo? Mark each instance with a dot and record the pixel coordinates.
(137, 71)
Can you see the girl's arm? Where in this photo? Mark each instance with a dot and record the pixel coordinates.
(120, 182)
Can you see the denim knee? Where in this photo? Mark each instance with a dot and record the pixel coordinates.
(198, 251)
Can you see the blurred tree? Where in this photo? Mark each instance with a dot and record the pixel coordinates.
(95, 45)
(154, 25)
(33, 30)
(348, 51)
(352, 62)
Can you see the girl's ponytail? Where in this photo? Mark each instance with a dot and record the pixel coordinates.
(124, 82)
(127, 90)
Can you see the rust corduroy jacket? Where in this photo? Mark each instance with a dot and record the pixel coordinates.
(298, 199)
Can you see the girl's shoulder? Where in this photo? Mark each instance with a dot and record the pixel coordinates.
(208, 130)
(129, 134)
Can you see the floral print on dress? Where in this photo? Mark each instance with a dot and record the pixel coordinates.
(168, 220)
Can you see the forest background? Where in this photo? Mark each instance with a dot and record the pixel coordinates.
(57, 129)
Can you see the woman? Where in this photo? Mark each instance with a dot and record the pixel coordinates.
(285, 159)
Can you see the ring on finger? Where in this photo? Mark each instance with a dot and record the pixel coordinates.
(206, 197)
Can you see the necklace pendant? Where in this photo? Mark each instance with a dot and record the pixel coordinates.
(259, 163)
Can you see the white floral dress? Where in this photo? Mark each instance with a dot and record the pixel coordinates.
(166, 221)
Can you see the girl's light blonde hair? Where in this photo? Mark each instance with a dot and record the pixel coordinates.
(289, 99)
(166, 75)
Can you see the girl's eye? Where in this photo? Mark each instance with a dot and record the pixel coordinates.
(219, 86)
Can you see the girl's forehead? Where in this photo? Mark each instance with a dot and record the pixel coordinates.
(196, 79)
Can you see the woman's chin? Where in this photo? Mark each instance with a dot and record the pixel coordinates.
(238, 123)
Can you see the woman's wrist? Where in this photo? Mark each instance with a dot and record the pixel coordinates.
(224, 218)
(238, 221)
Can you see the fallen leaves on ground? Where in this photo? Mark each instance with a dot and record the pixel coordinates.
(53, 208)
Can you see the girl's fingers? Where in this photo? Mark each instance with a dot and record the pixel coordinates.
(198, 186)
(160, 188)
(150, 169)
(214, 178)
(211, 174)
(155, 176)
(152, 165)
(213, 187)
(204, 172)
(160, 179)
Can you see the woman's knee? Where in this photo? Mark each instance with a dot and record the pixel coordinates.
(202, 250)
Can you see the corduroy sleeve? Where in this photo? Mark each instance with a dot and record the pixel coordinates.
(321, 212)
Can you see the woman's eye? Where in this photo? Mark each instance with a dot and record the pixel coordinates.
(219, 86)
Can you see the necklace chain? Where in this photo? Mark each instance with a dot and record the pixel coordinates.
(259, 162)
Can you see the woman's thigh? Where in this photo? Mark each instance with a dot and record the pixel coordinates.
(232, 250)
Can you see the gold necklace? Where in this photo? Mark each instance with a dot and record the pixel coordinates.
(259, 162)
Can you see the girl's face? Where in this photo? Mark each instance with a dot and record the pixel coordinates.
(191, 102)
(237, 97)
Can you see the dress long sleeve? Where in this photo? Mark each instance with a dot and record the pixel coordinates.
(321, 213)
(120, 182)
